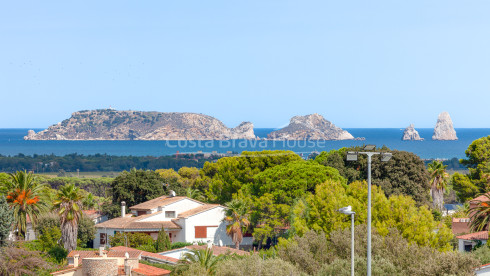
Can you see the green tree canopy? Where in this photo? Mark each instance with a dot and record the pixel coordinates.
(478, 156)
(222, 179)
(136, 186)
(416, 224)
(478, 162)
(292, 180)
(404, 174)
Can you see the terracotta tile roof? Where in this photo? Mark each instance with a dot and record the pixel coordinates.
(92, 213)
(157, 202)
(481, 198)
(145, 254)
(149, 270)
(130, 222)
(197, 210)
(482, 235)
(66, 269)
(95, 254)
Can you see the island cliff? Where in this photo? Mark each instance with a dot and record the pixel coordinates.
(109, 124)
(444, 129)
(310, 127)
(410, 134)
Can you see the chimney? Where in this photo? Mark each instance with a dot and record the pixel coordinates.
(127, 268)
(75, 260)
(123, 209)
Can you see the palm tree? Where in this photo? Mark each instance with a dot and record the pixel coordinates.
(204, 257)
(69, 207)
(480, 214)
(237, 215)
(194, 194)
(26, 197)
(438, 182)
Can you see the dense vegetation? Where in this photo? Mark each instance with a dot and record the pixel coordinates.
(98, 162)
(289, 206)
(477, 161)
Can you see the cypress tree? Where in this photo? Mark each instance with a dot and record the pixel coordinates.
(6, 220)
(163, 241)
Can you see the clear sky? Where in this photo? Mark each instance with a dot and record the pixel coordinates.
(358, 63)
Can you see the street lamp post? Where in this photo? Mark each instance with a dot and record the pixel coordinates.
(348, 211)
(385, 157)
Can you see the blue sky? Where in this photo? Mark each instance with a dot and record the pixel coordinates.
(358, 63)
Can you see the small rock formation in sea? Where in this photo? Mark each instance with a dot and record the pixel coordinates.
(109, 124)
(310, 127)
(444, 129)
(410, 134)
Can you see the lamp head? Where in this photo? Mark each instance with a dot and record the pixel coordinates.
(386, 156)
(346, 210)
(351, 156)
(369, 147)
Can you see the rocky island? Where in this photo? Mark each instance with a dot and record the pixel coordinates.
(109, 124)
(444, 129)
(310, 127)
(410, 134)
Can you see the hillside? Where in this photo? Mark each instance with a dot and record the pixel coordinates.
(310, 127)
(109, 124)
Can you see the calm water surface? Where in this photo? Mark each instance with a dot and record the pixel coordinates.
(12, 143)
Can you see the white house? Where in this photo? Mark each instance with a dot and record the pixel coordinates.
(483, 270)
(468, 241)
(184, 219)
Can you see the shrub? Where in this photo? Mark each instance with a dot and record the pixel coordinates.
(308, 252)
(86, 231)
(254, 265)
(18, 261)
(133, 240)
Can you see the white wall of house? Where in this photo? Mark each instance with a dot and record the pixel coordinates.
(109, 231)
(30, 233)
(463, 243)
(176, 253)
(483, 271)
(179, 235)
(215, 233)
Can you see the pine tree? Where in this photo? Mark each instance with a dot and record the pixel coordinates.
(163, 241)
(6, 220)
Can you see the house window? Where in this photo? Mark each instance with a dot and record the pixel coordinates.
(201, 232)
(170, 214)
(103, 238)
(140, 213)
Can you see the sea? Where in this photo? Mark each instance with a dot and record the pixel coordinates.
(12, 143)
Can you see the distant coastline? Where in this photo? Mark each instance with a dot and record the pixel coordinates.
(12, 143)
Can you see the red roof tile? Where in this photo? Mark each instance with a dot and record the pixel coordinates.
(198, 210)
(129, 222)
(145, 254)
(481, 198)
(95, 254)
(482, 235)
(160, 201)
(92, 213)
(149, 270)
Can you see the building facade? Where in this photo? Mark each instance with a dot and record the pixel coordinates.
(183, 218)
